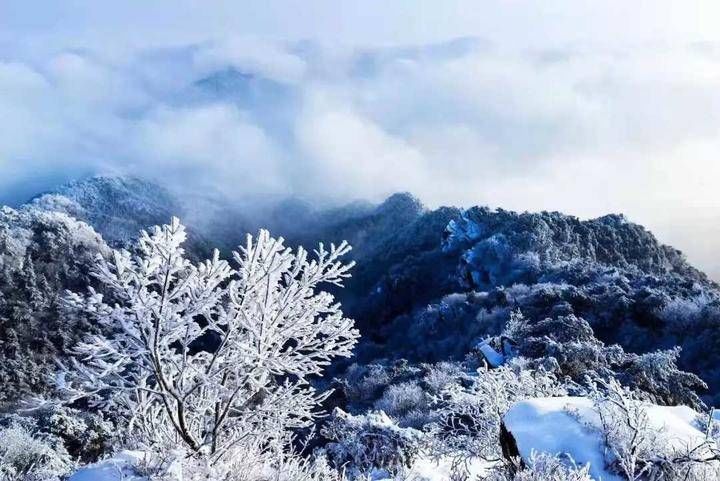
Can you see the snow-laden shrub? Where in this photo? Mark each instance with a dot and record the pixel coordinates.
(255, 463)
(296, 468)
(516, 326)
(698, 463)
(470, 417)
(25, 456)
(544, 467)
(370, 441)
(437, 332)
(441, 375)
(569, 340)
(92, 440)
(400, 400)
(657, 374)
(403, 391)
(363, 384)
(86, 436)
(682, 313)
(630, 439)
(640, 448)
(207, 357)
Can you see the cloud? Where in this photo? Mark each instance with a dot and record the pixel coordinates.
(582, 128)
(349, 154)
(213, 145)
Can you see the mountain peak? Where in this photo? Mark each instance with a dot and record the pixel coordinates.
(117, 206)
(401, 203)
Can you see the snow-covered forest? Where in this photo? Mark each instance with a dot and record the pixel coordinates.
(141, 341)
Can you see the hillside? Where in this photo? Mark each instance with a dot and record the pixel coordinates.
(414, 266)
(462, 313)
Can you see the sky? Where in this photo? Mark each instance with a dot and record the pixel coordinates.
(585, 107)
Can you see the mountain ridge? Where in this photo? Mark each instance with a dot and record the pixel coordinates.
(465, 269)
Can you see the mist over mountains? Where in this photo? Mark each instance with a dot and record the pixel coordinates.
(575, 128)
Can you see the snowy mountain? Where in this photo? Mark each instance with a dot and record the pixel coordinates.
(475, 324)
(117, 207)
(449, 268)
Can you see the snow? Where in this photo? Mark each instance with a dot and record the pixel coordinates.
(426, 469)
(116, 468)
(570, 426)
(547, 425)
(678, 425)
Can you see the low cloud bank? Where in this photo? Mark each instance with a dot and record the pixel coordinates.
(582, 130)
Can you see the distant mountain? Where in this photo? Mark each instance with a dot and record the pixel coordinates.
(243, 88)
(552, 237)
(117, 207)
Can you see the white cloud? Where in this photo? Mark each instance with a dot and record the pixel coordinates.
(208, 147)
(349, 155)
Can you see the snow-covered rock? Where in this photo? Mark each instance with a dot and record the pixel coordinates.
(120, 467)
(556, 426)
(571, 426)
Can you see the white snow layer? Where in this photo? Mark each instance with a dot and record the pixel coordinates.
(425, 469)
(117, 468)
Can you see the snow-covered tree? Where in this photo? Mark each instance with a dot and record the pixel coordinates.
(471, 417)
(544, 467)
(641, 450)
(211, 356)
(25, 456)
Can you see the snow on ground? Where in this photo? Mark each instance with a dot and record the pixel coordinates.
(570, 426)
(678, 423)
(426, 469)
(441, 470)
(547, 425)
(116, 468)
